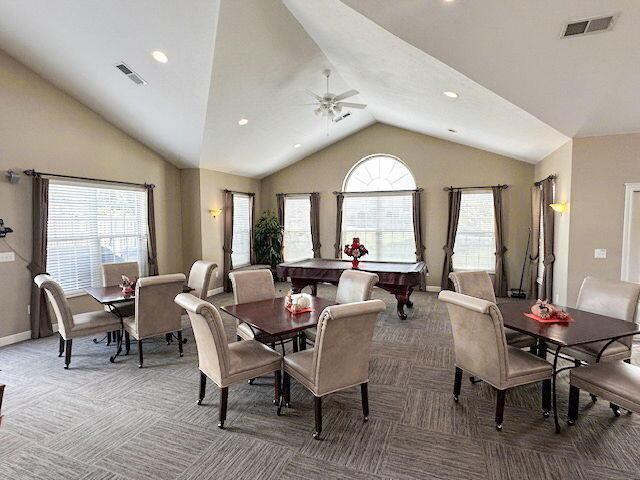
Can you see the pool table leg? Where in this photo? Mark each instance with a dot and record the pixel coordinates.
(297, 284)
(402, 296)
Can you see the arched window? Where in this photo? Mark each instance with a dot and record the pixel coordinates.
(378, 208)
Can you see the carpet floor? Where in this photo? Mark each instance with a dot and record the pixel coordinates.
(102, 421)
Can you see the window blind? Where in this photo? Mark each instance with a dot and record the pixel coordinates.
(475, 244)
(92, 224)
(241, 255)
(297, 228)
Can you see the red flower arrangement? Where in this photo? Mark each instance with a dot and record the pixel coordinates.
(355, 251)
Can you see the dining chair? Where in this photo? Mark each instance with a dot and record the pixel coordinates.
(200, 277)
(156, 313)
(112, 275)
(225, 363)
(481, 350)
(340, 357)
(353, 286)
(74, 326)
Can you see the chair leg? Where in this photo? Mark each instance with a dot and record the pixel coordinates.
(546, 398)
(179, 335)
(533, 349)
(224, 395)
(61, 347)
(474, 380)
(238, 338)
(317, 408)
(574, 405)
(364, 393)
(615, 408)
(277, 384)
(140, 355)
(108, 338)
(67, 353)
(203, 387)
(127, 343)
(500, 408)
(457, 384)
(286, 389)
(594, 399)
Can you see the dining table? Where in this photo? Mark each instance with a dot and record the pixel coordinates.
(584, 327)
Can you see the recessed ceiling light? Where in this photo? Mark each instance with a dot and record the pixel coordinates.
(450, 94)
(160, 56)
(297, 145)
(453, 131)
(243, 121)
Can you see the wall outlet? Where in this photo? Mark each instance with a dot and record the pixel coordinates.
(600, 253)
(7, 257)
(217, 272)
(28, 310)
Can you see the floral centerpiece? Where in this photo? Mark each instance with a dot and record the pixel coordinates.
(128, 285)
(355, 251)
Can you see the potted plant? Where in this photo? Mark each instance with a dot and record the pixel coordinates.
(268, 240)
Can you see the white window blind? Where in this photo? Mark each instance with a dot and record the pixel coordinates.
(241, 247)
(91, 224)
(475, 244)
(297, 228)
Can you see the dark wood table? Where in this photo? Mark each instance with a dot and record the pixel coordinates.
(586, 328)
(398, 278)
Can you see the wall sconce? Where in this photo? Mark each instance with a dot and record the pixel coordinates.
(560, 207)
(214, 212)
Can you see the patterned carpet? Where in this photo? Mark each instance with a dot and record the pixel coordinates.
(101, 421)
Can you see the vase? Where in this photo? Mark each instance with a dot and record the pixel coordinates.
(354, 263)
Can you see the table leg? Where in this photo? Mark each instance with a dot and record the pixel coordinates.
(554, 393)
(546, 384)
(302, 339)
(119, 334)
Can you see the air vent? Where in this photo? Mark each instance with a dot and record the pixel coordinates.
(131, 75)
(341, 117)
(588, 25)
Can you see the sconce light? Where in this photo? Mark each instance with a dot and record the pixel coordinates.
(214, 212)
(559, 207)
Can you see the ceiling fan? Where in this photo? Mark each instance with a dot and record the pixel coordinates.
(329, 105)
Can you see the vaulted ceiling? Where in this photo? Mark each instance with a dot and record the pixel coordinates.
(523, 90)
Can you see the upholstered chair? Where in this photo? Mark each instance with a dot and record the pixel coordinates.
(353, 286)
(156, 313)
(340, 357)
(481, 350)
(224, 363)
(200, 277)
(74, 326)
(112, 275)
(251, 286)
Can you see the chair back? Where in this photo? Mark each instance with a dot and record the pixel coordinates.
(343, 345)
(58, 302)
(252, 286)
(156, 311)
(478, 336)
(474, 284)
(200, 277)
(355, 286)
(112, 272)
(211, 339)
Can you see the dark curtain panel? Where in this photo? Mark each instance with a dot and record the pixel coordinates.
(252, 222)
(315, 223)
(417, 234)
(536, 198)
(338, 245)
(280, 197)
(227, 247)
(40, 319)
(455, 197)
(500, 285)
(152, 245)
(546, 289)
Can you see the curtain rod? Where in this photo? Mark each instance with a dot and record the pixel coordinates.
(294, 194)
(380, 192)
(34, 173)
(550, 177)
(251, 194)
(484, 187)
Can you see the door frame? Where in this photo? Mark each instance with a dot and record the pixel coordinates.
(630, 189)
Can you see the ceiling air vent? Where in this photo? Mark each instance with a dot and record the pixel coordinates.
(588, 25)
(131, 75)
(341, 117)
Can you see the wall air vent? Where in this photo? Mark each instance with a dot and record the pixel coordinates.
(588, 25)
(130, 74)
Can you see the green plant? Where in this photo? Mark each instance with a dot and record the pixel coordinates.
(268, 240)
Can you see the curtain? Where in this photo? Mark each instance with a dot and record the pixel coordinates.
(500, 285)
(455, 196)
(417, 234)
(151, 221)
(546, 289)
(338, 245)
(536, 198)
(280, 197)
(40, 319)
(314, 199)
(252, 222)
(227, 247)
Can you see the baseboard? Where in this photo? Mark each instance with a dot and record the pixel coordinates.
(431, 288)
(215, 291)
(20, 337)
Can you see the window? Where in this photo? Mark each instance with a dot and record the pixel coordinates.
(297, 228)
(475, 244)
(242, 220)
(91, 224)
(383, 219)
(541, 248)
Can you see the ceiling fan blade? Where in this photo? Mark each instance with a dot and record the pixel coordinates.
(314, 95)
(359, 106)
(347, 94)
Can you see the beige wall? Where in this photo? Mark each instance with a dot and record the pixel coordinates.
(435, 164)
(559, 163)
(43, 128)
(601, 167)
(191, 217)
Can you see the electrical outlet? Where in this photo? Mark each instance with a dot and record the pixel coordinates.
(216, 273)
(29, 310)
(600, 253)
(7, 257)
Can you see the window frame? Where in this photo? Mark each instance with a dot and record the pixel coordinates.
(250, 227)
(284, 227)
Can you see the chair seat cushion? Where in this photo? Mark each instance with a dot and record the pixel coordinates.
(618, 382)
(525, 367)
(518, 339)
(94, 322)
(299, 366)
(249, 359)
(589, 351)
(311, 334)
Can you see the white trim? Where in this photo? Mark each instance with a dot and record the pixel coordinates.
(215, 291)
(433, 288)
(630, 189)
(20, 337)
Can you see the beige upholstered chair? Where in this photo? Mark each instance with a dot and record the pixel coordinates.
(340, 358)
(156, 312)
(112, 275)
(74, 326)
(481, 349)
(353, 286)
(225, 363)
(200, 277)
